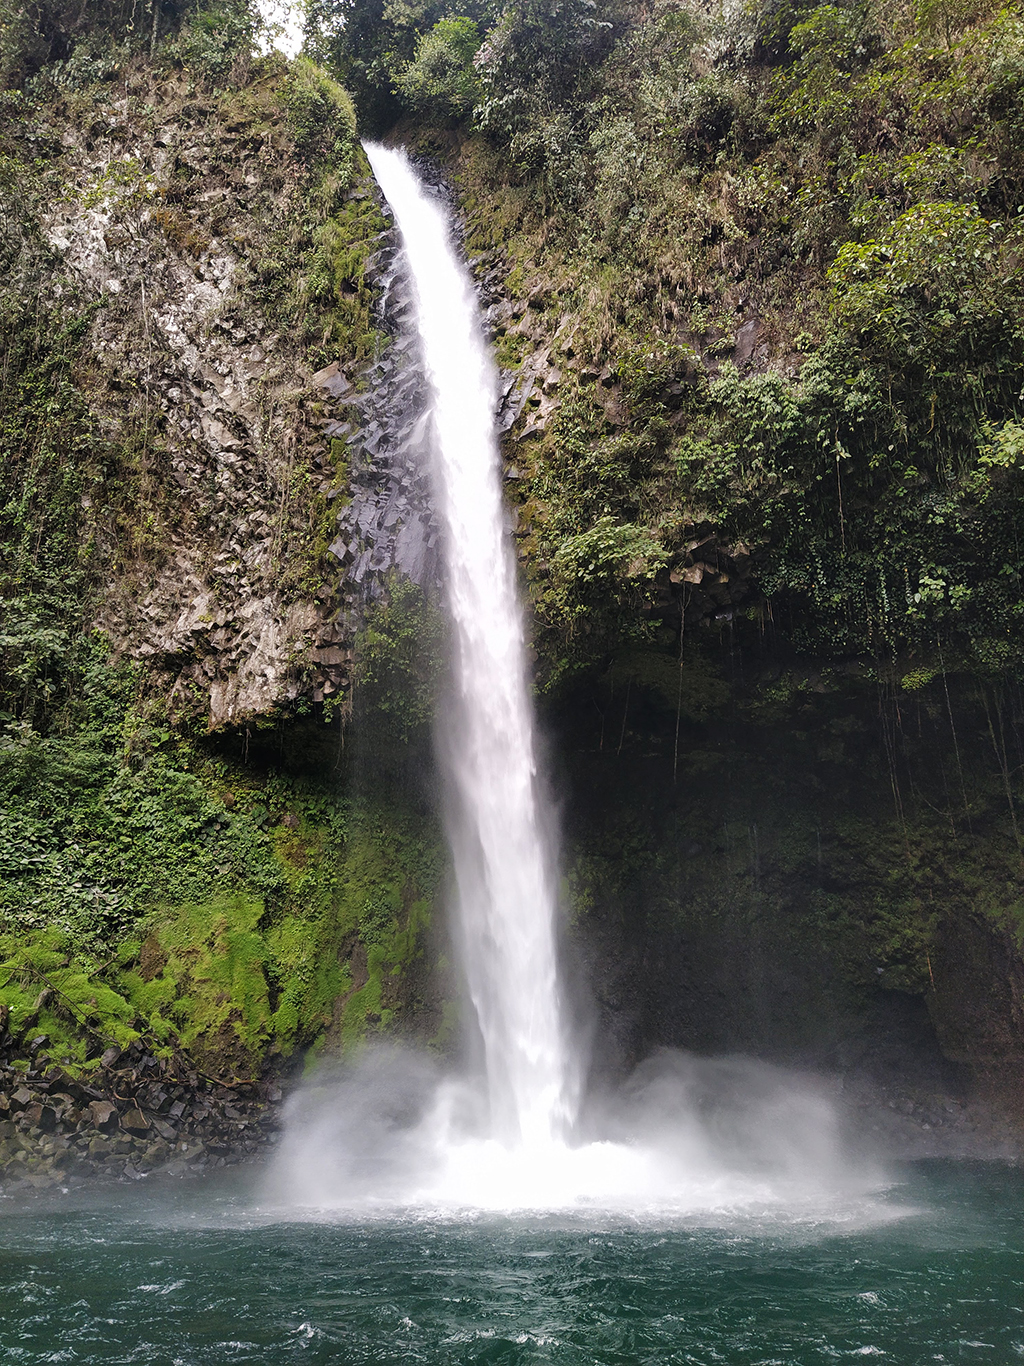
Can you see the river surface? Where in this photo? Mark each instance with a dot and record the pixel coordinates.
(929, 1270)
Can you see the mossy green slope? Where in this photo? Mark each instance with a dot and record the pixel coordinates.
(204, 905)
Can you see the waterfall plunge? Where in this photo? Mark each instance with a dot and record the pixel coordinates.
(393, 1133)
(497, 822)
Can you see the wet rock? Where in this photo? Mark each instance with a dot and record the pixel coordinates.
(104, 1115)
(125, 1121)
(42, 1117)
(155, 1099)
(176, 1168)
(134, 1120)
(333, 379)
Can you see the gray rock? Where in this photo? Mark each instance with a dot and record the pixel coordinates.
(134, 1120)
(104, 1114)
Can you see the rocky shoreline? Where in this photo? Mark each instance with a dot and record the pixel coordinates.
(133, 1116)
(136, 1115)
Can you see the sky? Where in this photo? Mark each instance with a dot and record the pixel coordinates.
(287, 19)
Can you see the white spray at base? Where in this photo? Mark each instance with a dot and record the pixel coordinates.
(394, 1132)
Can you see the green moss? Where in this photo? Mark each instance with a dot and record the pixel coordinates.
(162, 891)
(335, 281)
(320, 114)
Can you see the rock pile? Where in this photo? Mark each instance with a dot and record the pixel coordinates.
(708, 579)
(132, 1115)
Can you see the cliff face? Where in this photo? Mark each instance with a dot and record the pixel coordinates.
(191, 234)
(760, 890)
(187, 234)
(762, 451)
(758, 280)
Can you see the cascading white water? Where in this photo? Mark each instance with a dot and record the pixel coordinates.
(392, 1132)
(497, 823)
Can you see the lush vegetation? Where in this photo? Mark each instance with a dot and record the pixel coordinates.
(789, 237)
(149, 885)
(765, 263)
(153, 888)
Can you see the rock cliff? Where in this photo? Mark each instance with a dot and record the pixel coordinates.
(762, 459)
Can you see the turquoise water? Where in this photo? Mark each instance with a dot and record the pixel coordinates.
(932, 1270)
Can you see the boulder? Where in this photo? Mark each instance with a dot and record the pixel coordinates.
(103, 1114)
(176, 1168)
(156, 1099)
(134, 1120)
(40, 1116)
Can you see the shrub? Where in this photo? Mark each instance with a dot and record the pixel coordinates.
(440, 83)
(539, 57)
(215, 40)
(321, 115)
(935, 287)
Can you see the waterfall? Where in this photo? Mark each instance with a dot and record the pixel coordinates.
(395, 1131)
(498, 824)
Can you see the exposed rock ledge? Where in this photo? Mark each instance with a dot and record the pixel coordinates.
(168, 202)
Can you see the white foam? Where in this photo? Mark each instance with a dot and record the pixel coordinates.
(685, 1136)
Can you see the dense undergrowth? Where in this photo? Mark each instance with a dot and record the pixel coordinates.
(151, 886)
(774, 254)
